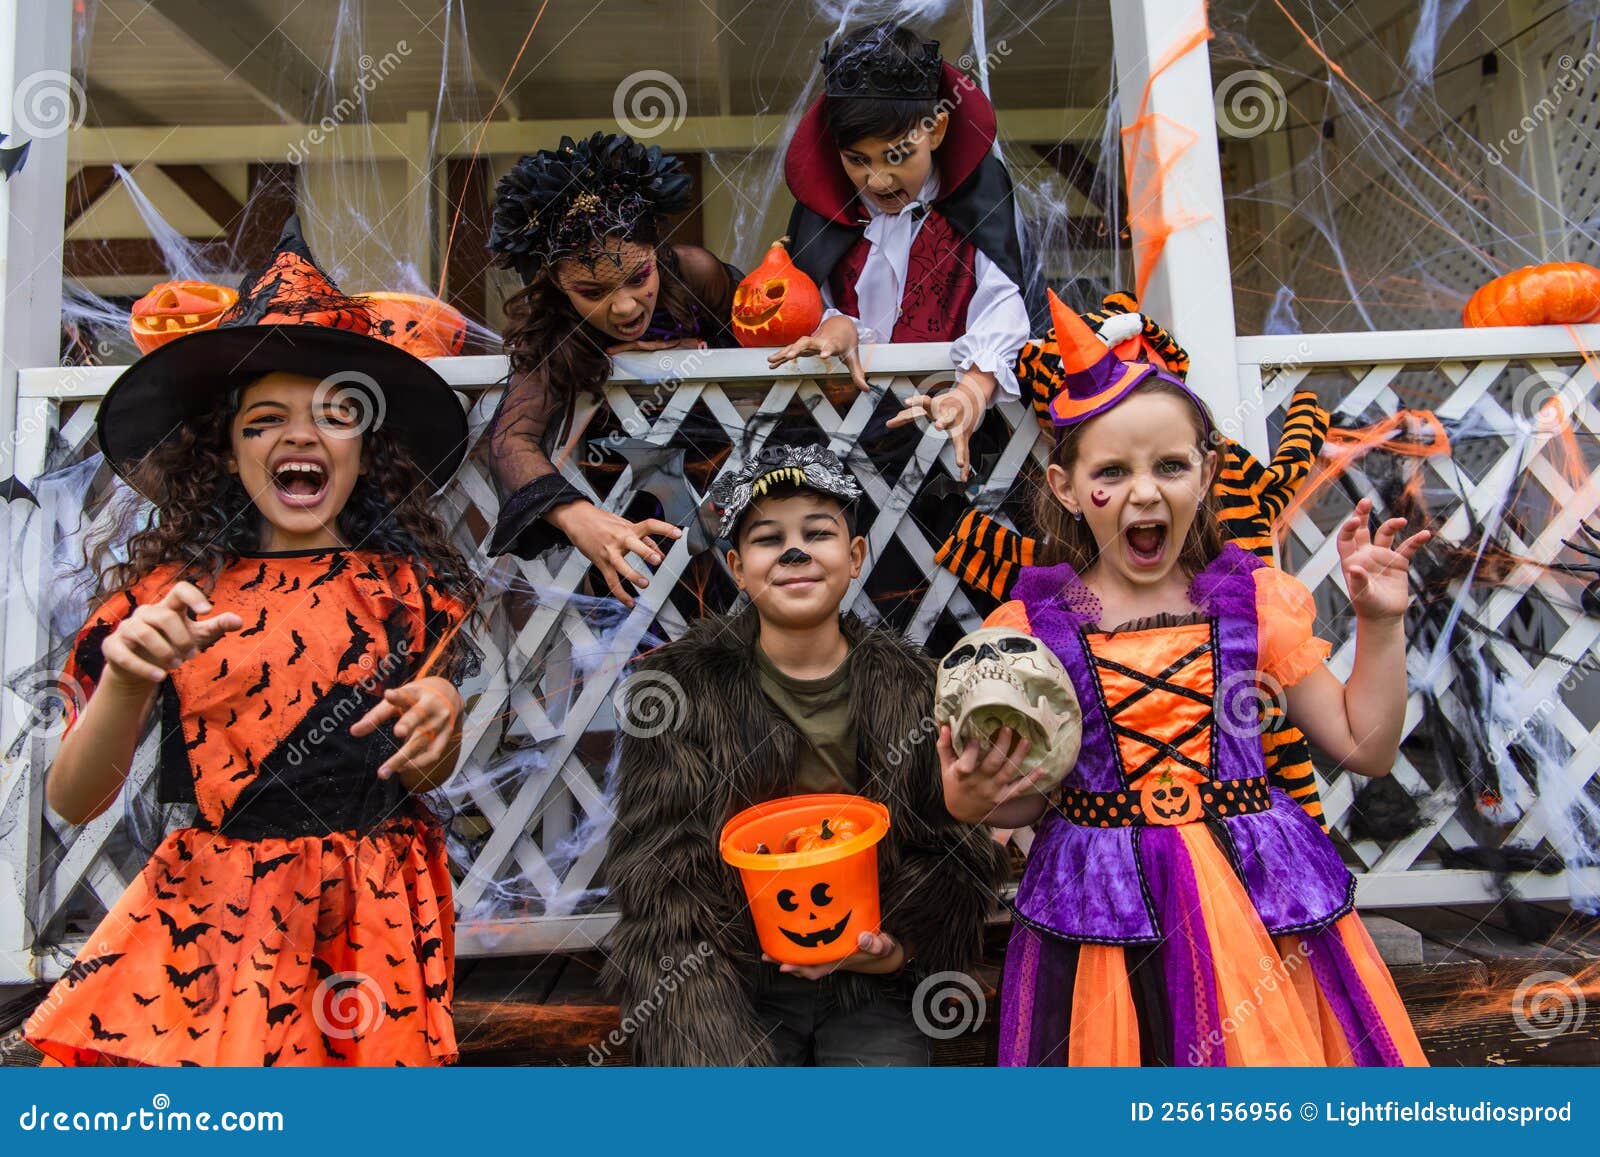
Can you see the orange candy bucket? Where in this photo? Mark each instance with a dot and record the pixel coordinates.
(810, 906)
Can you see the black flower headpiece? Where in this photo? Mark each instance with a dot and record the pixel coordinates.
(566, 201)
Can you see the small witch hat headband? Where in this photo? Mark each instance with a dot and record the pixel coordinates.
(1093, 379)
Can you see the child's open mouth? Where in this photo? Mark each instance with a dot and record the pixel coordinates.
(1147, 543)
(300, 482)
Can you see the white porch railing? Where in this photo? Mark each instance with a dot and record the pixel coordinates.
(529, 806)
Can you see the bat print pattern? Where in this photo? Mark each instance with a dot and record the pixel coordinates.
(283, 883)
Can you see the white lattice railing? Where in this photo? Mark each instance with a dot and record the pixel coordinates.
(1488, 388)
(529, 808)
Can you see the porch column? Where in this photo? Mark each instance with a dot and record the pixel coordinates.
(1169, 125)
(39, 103)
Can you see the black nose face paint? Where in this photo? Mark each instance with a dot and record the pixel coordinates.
(794, 556)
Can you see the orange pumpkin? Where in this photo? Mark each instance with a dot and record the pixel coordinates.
(777, 304)
(423, 326)
(175, 308)
(1561, 293)
(1170, 796)
(829, 831)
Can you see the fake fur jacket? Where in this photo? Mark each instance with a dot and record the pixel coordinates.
(732, 748)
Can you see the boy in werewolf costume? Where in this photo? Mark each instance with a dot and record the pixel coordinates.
(785, 697)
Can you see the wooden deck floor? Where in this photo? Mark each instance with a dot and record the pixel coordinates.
(1461, 996)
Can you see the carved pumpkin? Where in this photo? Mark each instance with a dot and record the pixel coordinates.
(175, 308)
(777, 304)
(1170, 796)
(1561, 293)
(423, 326)
(812, 900)
(820, 835)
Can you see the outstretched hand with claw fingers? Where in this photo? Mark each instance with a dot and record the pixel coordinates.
(1376, 566)
(957, 412)
(429, 722)
(159, 637)
(834, 338)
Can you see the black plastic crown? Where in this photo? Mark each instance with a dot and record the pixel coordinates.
(880, 70)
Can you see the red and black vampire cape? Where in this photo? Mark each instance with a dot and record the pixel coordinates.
(974, 212)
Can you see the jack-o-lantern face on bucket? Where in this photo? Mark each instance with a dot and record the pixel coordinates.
(809, 865)
(777, 304)
(1170, 796)
(822, 923)
(175, 308)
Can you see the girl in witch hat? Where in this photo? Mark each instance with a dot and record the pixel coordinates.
(585, 227)
(291, 617)
(1171, 884)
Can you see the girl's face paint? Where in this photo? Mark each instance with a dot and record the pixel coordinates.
(616, 292)
(297, 466)
(1145, 478)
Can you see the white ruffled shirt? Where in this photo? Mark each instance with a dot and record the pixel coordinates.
(997, 319)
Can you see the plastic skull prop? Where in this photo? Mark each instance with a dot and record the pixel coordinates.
(997, 677)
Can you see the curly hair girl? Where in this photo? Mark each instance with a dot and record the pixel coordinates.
(204, 519)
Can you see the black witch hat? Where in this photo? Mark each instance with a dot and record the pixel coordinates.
(289, 318)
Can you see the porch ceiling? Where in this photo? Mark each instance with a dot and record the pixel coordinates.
(175, 62)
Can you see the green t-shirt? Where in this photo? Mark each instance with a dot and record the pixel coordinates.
(820, 710)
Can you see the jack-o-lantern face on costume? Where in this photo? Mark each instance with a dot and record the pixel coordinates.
(777, 304)
(1169, 796)
(819, 921)
(175, 308)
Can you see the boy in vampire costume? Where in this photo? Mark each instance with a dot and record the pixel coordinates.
(906, 219)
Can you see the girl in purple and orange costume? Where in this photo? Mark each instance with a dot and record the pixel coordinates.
(1176, 909)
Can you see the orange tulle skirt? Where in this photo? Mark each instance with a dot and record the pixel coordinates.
(1271, 1000)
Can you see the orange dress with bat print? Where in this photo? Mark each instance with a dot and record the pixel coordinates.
(305, 918)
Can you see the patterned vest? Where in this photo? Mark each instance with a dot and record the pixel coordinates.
(941, 279)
